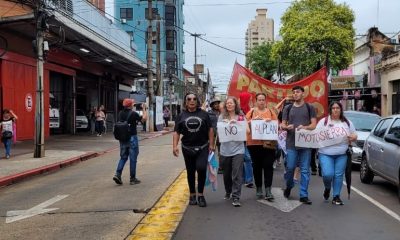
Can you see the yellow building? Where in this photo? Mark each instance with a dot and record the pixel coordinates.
(259, 30)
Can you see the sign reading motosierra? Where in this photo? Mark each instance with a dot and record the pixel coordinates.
(315, 86)
(321, 137)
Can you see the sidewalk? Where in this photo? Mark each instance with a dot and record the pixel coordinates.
(60, 151)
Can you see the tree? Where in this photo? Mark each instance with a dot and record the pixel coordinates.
(260, 61)
(312, 30)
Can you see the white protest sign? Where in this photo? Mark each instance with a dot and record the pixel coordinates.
(321, 137)
(228, 132)
(262, 130)
(282, 140)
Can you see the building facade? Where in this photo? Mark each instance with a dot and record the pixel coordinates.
(259, 30)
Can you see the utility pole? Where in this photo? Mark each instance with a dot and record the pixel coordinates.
(39, 105)
(150, 89)
(195, 35)
(159, 81)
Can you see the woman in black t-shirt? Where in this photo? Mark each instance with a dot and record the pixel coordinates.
(195, 127)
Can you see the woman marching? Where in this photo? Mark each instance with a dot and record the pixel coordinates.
(195, 127)
(232, 154)
(263, 156)
(333, 158)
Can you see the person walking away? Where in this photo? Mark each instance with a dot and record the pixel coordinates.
(9, 118)
(166, 115)
(245, 105)
(333, 158)
(129, 148)
(232, 154)
(214, 113)
(299, 115)
(100, 118)
(263, 157)
(197, 133)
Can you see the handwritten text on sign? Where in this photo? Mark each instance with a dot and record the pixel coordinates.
(321, 137)
(228, 132)
(262, 130)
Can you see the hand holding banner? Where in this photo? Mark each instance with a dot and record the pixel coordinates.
(228, 132)
(321, 137)
(262, 130)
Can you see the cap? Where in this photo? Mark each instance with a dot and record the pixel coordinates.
(215, 100)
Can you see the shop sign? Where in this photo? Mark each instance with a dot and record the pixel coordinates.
(344, 82)
(28, 102)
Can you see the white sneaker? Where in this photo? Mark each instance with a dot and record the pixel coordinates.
(236, 202)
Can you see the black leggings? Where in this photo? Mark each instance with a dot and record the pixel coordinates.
(196, 162)
(263, 159)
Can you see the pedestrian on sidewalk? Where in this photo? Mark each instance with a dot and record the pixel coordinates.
(214, 113)
(232, 154)
(92, 116)
(245, 105)
(263, 155)
(130, 148)
(197, 133)
(7, 133)
(333, 159)
(299, 115)
(100, 119)
(166, 115)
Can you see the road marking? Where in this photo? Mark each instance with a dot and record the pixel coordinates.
(376, 203)
(16, 215)
(281, 203)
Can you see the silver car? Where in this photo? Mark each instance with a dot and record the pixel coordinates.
(363, 123)
(381, 154)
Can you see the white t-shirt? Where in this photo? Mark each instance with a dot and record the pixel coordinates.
(7, 126)
(339, 148)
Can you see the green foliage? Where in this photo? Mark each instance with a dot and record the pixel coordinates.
(310, 30)
(260, 61)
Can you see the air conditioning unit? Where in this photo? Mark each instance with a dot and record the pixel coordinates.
(123, 20)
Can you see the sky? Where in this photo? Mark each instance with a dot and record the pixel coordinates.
(225, 23)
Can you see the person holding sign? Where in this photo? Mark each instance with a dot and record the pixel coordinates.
(333, 158)
(197, 141)
(232, 151)
(299, 115)
(262, 155)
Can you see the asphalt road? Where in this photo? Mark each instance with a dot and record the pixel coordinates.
(357, 219)
(90, 204)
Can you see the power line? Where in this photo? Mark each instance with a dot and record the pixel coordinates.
(233, 4)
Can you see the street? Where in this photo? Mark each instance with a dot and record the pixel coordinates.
(94, 206)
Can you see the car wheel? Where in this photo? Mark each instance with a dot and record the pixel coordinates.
(366, 174)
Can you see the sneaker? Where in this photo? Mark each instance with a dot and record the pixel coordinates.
(249, 185)
(227, 196)
(134, 181)
(7, 156)
(220, 171)
(314, 172)
(259, 193)
(305, 200)
(286, 192)
(117, 179)
(202, 201)
(192, 200)
(337, 201)
(236, 202)
(268, 194)
(326, 193)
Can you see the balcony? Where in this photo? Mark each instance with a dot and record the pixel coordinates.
(389, 62)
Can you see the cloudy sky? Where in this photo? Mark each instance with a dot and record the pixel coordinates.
(225, 22)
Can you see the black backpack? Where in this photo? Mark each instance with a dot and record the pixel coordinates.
(122, 131)
(280, 115)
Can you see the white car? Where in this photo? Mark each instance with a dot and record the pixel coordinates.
(81, 121)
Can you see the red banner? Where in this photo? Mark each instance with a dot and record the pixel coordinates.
(315, 88)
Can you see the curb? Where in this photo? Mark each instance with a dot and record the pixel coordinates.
(9, 180)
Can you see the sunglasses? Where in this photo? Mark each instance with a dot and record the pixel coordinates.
(191, 99)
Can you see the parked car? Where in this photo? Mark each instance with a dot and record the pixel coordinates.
(81, 120)
(381, 153)
(363, 122)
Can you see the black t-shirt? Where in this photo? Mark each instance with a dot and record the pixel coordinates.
(194, 126)
(133, 119)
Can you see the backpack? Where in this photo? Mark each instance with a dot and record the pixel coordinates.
(122, 130)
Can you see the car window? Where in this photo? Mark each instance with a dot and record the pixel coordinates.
(80, 113)
(362, 122)
(380, 130)
(395, 129)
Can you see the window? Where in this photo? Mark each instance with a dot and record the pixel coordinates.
(146, 12)
(126, 13)
(396, 97)
(395, 129)
(382, 127)
(169, 15)
(170, 39)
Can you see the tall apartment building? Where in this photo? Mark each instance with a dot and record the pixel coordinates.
(259, 30)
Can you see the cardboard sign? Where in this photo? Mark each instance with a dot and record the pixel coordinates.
(282, 140)
(321, 137)
(262, 130)
(228, 132)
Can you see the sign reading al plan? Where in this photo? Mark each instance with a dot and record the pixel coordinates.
(263, 130)
(228, 132)
(321, 137)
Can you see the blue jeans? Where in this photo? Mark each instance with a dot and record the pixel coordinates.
(128, 149)
(248, 167)
(7, 145)
(333, 167)
(301, 158)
